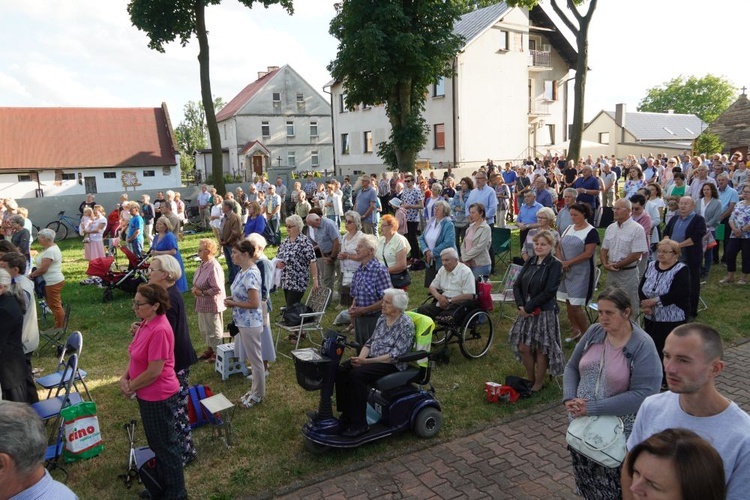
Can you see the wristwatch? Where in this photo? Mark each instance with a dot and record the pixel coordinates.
(450, 300)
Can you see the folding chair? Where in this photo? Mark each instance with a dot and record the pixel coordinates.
(501, 244)
(54, 451)
(506, 289)
(317, 301)
(52, 337)
(49, 382)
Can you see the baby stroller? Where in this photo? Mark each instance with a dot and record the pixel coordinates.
(112, 278)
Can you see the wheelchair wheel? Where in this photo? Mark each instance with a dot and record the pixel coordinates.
(439, 335)
(428, 422)
(477, 335)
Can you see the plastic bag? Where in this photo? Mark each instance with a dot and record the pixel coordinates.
(83, 438)
(484, 291)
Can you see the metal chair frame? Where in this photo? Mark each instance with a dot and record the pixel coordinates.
(318, 301)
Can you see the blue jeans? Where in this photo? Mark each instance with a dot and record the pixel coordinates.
(481, 271)
(137, 246)
(233, 269)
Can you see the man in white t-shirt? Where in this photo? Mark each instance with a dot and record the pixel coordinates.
(692, 361)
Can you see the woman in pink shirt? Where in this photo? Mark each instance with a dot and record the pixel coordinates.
(151, 378)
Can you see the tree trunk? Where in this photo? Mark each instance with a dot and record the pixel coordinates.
(399, 117)
(217, 163)
(579, 91)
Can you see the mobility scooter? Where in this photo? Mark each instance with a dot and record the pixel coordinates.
(396, 403)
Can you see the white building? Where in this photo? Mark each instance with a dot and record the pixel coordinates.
(507, 100)
(279, 119)
(54, 152)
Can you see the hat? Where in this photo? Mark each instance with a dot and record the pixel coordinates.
(395, 203)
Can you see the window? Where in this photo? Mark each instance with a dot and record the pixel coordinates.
(439, 136)
(24, 177)
(604, 137)
(551, 130)
(367, 136)
(344, 144)
(110, 175)
(277, 98)
(300, 97)
(503, 40)
(265, 129)
(290, 128)
(314, 159)
(342, 103)
(313, 129)
(68, 177)
(291, 159)
(439, 88)
(550, 90)
(149, 173)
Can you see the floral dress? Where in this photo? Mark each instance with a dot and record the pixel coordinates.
(243, 317)
(296, 256)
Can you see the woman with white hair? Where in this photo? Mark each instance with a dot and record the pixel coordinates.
(429, 203)
(14, 370)
(48, 264)
(165, 271)
(437, 236)
(393, 336)
(348, 254)
(296, 259)
(21, 236)
(545, 221)
(369, 282)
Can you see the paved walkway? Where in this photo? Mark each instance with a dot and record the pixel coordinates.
(524, 458)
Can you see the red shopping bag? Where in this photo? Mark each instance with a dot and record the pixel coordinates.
(484, 291)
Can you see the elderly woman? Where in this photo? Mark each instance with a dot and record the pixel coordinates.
(393, 336)
(369, 282)
(429, 203)
(49, 266)
(709, 207)
(15, 372)
(151, 378)
(612, 370)
(164, 271)
(294, 197)
(296, 259)
(665, 293)
(208, 289)
(216, 215)
(303, 206)
(545, 221)
(739, 238)
(392, 250)
(265, 267)
(475, 249)
(21, 237)
(165, 243)
(535, 335)
(93, 231)
(348, 255)
(577, 251)
(438, 235)
(247, 314)
(256, 223)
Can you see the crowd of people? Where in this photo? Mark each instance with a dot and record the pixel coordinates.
(363, 240)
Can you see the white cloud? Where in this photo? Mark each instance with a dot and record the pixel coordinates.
(10, 85)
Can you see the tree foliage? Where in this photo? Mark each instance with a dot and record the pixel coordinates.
(390, 52)
(465, 6)
(578, 23)
(191, 132)
(708, 143)
(165, 21)
(706, 97)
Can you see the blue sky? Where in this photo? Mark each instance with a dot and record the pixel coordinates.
(86, 53)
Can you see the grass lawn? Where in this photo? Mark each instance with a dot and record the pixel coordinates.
(268, 452)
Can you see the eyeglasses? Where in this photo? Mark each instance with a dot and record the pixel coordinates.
(409, 180)
(349, 221)
(139, 304)
(291, 227)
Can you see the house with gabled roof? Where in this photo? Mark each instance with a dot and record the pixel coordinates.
(507, 99)
(644, 133)
(277, 120)
(73, 151)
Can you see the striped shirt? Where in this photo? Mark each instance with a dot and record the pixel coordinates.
(209, 279)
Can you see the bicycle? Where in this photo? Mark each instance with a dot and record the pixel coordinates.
(63, 224)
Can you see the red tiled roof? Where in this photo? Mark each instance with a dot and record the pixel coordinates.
(245, 95)
(250, 145)
(57, 138)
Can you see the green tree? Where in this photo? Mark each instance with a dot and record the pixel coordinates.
(465, 6)
(191, 132)
(708, 143)
(578, 23)
(165, 21)
(706, 97)
(390, 52)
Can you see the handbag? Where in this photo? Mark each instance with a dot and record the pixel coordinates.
(601, 438)
(292, 315)
(232, 329)
(484, 291)
(398, 280)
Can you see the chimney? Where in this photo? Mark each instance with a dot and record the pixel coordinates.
(261, 74)
(272, 68)
(620, 111)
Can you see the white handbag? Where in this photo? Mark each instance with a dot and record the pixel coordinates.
(601, 438)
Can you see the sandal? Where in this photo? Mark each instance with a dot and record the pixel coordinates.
(726, 280)
(743, 281)
(249, 401)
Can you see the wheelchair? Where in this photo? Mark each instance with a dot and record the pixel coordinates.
(469, 326)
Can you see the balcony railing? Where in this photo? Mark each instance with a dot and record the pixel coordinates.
(537, 108)
(539, 59)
